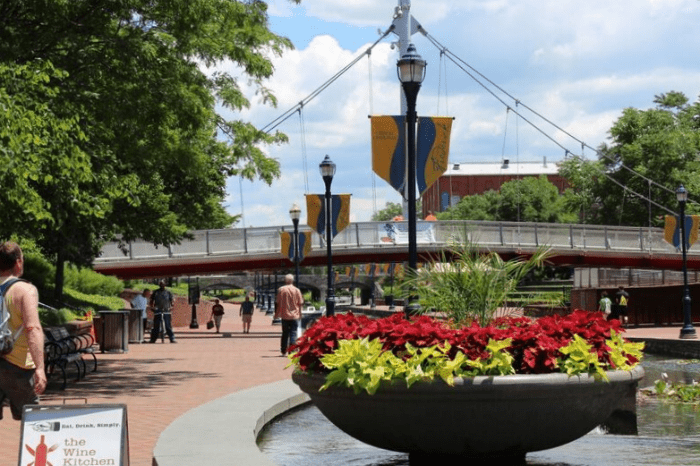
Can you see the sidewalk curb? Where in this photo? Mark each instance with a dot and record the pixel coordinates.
(224, 431)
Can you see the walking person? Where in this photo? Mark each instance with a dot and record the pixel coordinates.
(246, 313)
(622, 300)
(140, 302)
(217, 313)
(162, 303)
(22, 374)
(605, 305)
(288, 308)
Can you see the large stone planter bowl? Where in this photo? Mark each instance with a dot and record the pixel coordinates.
(477, 417)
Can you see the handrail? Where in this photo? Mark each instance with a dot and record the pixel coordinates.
(379, 235)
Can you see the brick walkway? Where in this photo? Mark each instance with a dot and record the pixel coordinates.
(160, 382)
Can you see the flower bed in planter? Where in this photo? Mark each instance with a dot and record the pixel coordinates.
(422, 386)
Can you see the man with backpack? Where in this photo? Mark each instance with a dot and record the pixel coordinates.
(622, 300)
(22, 375)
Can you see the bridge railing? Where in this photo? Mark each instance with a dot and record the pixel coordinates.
(266, 240)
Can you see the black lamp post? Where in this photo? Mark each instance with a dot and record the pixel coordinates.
(327, 168)
(411, 71)
(295, 213)
(687, 332)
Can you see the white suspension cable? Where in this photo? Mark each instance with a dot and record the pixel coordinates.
(240, 188)
(302, 132)
(457, 61)
(285, 116)
(373, 176)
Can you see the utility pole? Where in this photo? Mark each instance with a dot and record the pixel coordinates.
(405, 26)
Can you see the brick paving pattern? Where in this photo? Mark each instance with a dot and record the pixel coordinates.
(160, 382)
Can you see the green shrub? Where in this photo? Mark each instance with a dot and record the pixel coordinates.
(38, 270)
(90, 282)
(92, 302)
(52, 318)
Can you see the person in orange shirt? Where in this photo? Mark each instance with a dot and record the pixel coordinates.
(288, 308)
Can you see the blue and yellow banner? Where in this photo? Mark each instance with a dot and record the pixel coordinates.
(672, 230)
(432, 150)
(288, 244)
(389, 150)
(372, 270)
(316, 213)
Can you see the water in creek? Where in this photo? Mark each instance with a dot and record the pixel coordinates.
(669, 434)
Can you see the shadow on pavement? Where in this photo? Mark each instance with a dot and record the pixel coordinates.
(115, 378)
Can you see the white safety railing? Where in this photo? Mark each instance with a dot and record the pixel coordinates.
(370, 235)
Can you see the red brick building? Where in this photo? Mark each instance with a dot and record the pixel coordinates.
(467, 179)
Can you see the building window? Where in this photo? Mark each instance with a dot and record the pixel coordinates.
(444, 201)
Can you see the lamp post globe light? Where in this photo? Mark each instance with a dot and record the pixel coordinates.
(688, 331)
(411, 72)
(294, 214)
(327, 168)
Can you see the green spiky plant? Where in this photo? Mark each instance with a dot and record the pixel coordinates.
(470, 285)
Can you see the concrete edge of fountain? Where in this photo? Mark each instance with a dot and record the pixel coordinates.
(224, 431)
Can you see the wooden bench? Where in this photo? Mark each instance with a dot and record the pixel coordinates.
(62, 349)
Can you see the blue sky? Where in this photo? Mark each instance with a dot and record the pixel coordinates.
(577, 63)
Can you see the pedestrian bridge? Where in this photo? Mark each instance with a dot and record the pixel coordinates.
(241, 249)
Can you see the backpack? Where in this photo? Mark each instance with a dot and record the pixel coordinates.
(7, 338)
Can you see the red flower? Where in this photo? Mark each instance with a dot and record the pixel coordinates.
(535, 343)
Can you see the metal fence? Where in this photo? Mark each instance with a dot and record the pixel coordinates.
(266, 240)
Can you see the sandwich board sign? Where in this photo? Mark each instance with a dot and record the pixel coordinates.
(83, 435)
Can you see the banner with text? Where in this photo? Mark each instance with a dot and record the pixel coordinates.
(432, 150)
(74, 435)
(389, 150)
(397, 232)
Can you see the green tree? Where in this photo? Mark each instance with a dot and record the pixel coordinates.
(109, 125)
(476, 207)
(581, 196)
(661, 144)
(394, 209)
(532, 199)
(390, 210)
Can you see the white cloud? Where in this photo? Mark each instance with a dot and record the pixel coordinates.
(578, 64)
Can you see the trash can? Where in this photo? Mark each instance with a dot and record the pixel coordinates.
(135, 326)
(115, 331)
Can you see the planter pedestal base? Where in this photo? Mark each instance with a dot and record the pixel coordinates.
(480, 417)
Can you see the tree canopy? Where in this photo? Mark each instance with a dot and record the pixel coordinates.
(532, 199)
(390, 210)
(108, 118)
(651, 152)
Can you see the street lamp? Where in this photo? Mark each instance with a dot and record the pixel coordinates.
(327, 168)
(295, 213)
(411, 72)
(687, 332)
